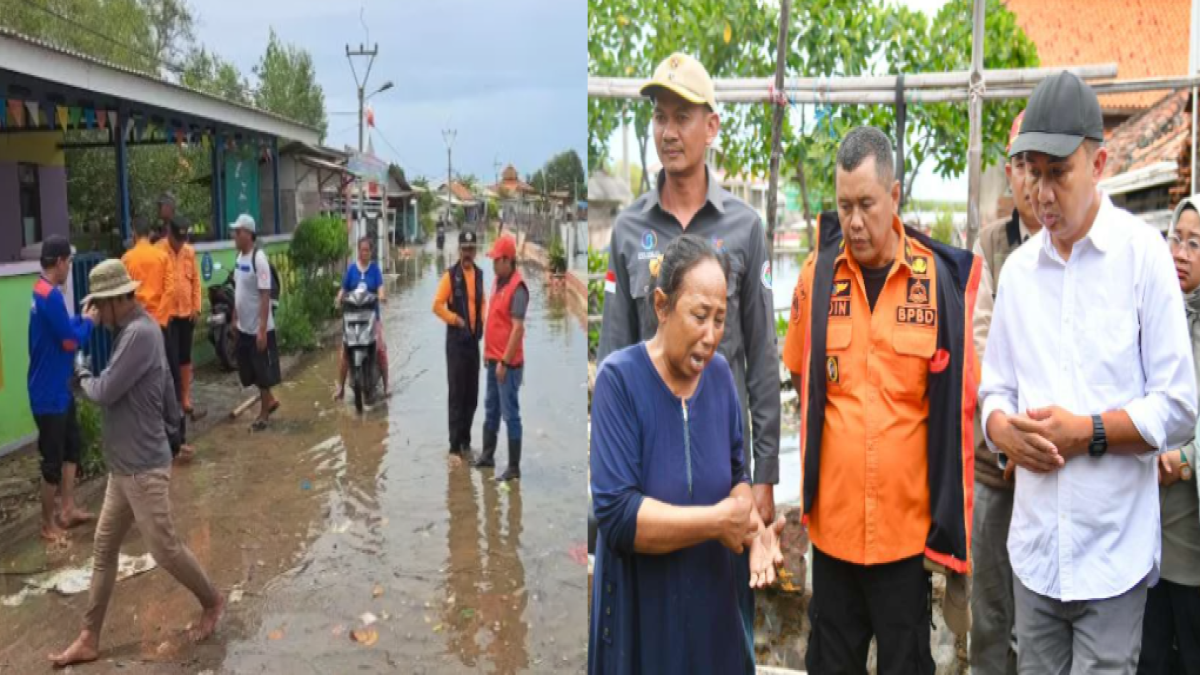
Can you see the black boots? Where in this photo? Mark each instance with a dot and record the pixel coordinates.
(488, 458)
(514, 461)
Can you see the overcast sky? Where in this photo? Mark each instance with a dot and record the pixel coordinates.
(509, 76)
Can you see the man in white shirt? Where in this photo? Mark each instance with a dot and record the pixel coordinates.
(1087, 376)
(257, 352)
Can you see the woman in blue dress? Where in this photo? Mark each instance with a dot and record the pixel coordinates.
(669, 484)
(364, 271)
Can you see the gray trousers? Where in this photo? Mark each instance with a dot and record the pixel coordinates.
(992, 613)
(1092, 637)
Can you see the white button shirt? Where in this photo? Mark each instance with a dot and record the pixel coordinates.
(1102, 331)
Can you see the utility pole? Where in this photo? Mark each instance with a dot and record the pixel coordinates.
(362, 86)
(448, 135)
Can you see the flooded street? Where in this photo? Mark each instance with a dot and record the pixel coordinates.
(358, 544)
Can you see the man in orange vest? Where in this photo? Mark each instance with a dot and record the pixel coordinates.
(183, 306)
(504, 356)
(149, 265)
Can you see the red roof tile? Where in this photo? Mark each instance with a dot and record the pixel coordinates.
(1146, 38)
(1159, 134)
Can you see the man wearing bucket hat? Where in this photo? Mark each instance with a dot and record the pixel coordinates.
(459, 302)
(689, 198)
(991, 595)
(136, 394)
(504, 357)
(1088, 375)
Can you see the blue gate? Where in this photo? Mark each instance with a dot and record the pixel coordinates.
(100, 346)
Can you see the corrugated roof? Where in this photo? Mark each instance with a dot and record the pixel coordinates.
(6, 32)
(1147, 38)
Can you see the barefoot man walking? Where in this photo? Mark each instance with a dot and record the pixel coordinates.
(137, 392)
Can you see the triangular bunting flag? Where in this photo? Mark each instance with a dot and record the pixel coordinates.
(75, 114)
(17, 112)
(3, 112)
(32, 107)
(102, 119)
(130, 128)
(60, 114)
(112, 119)
(89, 117)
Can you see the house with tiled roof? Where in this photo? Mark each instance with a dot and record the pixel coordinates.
(1146, 38)
(1149, 159)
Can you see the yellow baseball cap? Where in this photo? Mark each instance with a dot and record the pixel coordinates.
(684, 76)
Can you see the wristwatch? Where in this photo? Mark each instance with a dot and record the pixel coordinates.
(1099, 444)
(1185, 469)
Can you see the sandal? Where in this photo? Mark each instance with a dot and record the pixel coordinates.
(273, 408)
(259, 424)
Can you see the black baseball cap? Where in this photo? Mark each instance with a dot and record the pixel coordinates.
(466, 238)
(1062, 112)
(54, 248)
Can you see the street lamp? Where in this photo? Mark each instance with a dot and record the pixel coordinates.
(386, 85)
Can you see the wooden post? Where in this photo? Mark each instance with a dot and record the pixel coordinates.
(777, 127)
(975, 115)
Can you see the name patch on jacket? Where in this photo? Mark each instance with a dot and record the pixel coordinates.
(918, 316)
(839, 307)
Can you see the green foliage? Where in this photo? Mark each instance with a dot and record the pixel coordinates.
(91, 435)
(628, 38)
(320, 241)
(213, 75)
(557, 256)
(564, 171)
(943, 227)
(288, 85)
(597, 264)
(294, 326)
(781, 326)
(493, 210)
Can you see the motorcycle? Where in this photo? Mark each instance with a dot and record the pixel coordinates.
(358, 336)
(220, 319)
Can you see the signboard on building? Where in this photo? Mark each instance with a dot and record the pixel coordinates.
(241, 189)
(368, 167)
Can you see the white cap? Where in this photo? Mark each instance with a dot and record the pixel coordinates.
(244, 222)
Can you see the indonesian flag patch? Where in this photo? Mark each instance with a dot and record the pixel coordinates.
(610, 282)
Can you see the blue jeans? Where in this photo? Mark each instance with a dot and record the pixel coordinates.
(501, 401)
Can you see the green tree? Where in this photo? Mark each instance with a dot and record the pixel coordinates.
(208, 72)
(564, 171)
(172, 26)
(287, 84)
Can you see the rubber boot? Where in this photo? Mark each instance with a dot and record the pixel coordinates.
(514, 461)
(487, 458)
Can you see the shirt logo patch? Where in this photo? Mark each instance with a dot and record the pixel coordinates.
(920, 265)
(917, 316)
(796, 306)
(649, 240)
(918, 291)
(610, 282)
(718, 244)
(839, 307)
(766, 275)
(655, 264)
(831, 368)
(841, 289)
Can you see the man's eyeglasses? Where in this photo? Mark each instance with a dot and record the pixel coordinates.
(1191, 246)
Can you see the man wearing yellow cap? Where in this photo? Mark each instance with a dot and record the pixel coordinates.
(688, 198)
(991, 592)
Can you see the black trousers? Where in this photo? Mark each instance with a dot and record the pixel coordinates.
(462, 372)
(851, 603)
(1171, 631)
(171, 343)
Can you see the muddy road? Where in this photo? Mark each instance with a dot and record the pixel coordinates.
(358, 544)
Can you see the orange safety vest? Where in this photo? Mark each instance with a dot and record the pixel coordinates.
(500, 323)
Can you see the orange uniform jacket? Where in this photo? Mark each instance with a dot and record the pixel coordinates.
(153, 268)
(887, 404)
(184, 299)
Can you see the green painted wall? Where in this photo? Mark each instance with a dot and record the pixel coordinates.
(16, 422)
(16, 295)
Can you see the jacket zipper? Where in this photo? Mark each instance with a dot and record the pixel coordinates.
(687, 445)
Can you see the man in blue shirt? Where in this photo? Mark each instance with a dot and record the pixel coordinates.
(54, 337)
